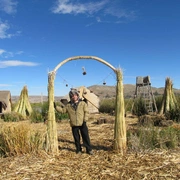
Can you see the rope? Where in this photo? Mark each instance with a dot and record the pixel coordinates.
(100, 82)
(64, 80)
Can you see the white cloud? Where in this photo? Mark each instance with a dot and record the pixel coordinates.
(104, 10)
(90, 24)
(4, 64)
(2, 51)
(67, 7)
(98, 19)
(4, 27)
(5, 85)
(19, 52)
(8, 6)
(6, 54)
(120, 13)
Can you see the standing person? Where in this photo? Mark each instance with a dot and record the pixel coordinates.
(78, 114)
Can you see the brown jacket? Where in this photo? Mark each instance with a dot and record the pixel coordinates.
(76, 116)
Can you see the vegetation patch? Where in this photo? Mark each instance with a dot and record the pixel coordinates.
(16, 139)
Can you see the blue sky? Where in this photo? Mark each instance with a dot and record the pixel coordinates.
(142, 37)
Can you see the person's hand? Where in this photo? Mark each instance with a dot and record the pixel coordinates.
(61, 104)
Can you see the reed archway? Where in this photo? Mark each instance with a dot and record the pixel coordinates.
(119, 128)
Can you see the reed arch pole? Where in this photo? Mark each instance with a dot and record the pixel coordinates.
(119, 128)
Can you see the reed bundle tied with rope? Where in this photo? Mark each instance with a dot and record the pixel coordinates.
(23, 106)
(169, 101)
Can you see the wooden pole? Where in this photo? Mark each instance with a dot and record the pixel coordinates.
(51, 139)
(120, 139)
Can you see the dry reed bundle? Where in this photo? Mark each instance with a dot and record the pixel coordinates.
(169, 101)
(20, 138)
(51, 139)
(23, 106)
(120, 139)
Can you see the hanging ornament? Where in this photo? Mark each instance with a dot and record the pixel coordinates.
(84, 71)
(65, 82)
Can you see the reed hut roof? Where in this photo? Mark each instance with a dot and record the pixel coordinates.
(5, 97)
(89, 96)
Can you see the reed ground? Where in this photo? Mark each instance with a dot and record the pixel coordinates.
(104, 164)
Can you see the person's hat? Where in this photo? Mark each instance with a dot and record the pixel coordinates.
(72, 92)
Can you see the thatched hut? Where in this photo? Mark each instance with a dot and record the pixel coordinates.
(5, 102)
(91, 98)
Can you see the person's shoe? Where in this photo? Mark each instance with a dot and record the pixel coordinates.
(78, 152)
(90, 152)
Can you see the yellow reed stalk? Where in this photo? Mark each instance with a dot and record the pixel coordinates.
(120, 139)
(169, 100)
(51, 139)
(23, 106)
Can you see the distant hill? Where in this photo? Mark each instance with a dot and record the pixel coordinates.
(36, 99)
(129, 90)
(102, 91)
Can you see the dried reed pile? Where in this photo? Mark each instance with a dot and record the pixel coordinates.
(20, 138)
(104, 164)
(23, 106)
(169, 101)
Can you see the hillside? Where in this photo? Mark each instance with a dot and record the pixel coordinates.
(36, 99)
(129, 90)
(101, 91)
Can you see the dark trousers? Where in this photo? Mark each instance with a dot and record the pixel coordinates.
(83, 131)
